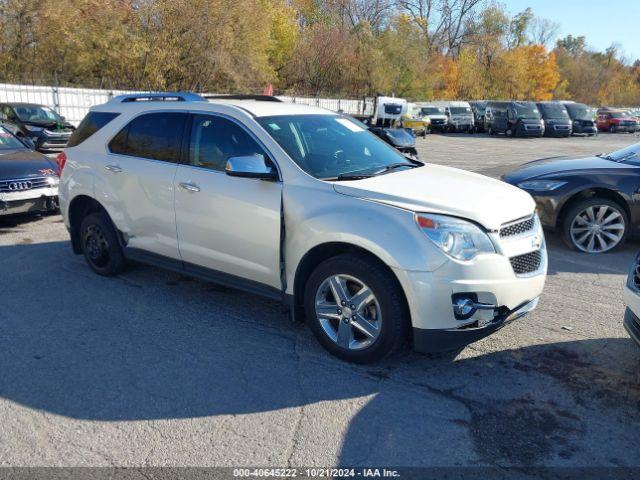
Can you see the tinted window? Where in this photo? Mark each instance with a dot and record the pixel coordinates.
(215, 139)
(156, 136)
(90, 124)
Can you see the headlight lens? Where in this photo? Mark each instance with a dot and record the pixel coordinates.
(455, 237)
(53, 181)
(541, 185)
(32, 128)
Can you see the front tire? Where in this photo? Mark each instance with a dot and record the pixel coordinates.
(595, 225)
(356, 309)
(100, 245)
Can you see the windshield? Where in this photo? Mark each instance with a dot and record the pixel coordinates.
(327, 146)
(8, 141)
(629, 154)
(577, 110)
(524, 110)
(36, 113)
(554, 110)
(432, 110)
(460, 110)
(619, 114)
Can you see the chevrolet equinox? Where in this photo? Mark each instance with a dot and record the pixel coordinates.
(372, 248)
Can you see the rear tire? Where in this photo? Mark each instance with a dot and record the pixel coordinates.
(100, 245)
(366, 330)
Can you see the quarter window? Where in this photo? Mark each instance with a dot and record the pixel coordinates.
(157, 136)
(216, 139)
(90, 124)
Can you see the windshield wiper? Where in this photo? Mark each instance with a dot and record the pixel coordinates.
(351, 176)
(393, 166)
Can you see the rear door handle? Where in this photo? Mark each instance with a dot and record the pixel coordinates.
(190, 187)
(113, 168)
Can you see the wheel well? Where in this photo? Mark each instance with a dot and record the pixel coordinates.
(319, 254)
(593, 193)
(80, 207)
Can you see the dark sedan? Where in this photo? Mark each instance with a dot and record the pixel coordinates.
(593, 201)
(44, 127)
(28, 180)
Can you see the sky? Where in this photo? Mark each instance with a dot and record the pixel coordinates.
(602, 22)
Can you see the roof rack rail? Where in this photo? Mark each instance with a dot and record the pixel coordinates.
(158, 97)
(261, 98)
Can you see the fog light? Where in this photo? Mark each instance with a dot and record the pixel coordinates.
(464, 307)
(466, 304)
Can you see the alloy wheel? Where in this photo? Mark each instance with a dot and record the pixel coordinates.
(348, 312)
(597, 228)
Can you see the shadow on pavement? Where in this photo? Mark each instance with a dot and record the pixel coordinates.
(155, 345)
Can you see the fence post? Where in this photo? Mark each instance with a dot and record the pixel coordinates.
(56, 94)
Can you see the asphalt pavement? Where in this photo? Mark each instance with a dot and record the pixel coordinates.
(155, 368)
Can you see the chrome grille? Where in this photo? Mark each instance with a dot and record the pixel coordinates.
(517, 228)
(23, 184)
(527, 263)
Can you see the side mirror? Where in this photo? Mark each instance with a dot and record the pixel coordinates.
(27, 142)
(62, 118)
(250, 166)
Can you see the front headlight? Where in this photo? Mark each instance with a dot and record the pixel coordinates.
(455, 237)
(541, 185)
(33, 128)
(53, 181)
(576, 122)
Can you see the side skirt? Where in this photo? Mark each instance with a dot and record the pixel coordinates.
(206, 274)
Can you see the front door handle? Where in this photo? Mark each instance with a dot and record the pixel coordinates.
(113, 168)
(190, 187)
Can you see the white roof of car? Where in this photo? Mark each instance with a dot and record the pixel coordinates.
(257, 108)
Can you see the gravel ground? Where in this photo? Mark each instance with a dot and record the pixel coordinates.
(154, 368)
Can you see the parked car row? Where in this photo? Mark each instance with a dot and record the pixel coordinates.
(518, 118)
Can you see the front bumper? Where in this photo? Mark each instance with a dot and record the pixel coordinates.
(588, 129)
(632, 325)
(37, 200)
(631, 298)
(527, 130)
(558, 130)
(625, 128)
(496, 283)
(51, 143)
(443, 340)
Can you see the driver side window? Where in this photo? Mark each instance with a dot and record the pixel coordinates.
(216, 139)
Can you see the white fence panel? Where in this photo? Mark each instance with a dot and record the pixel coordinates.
(74, 103)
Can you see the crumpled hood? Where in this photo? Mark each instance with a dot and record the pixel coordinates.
(445, 190)
(24, 163)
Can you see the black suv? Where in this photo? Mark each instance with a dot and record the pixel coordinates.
(583, 118)
(514, 119)
(42, 125)
(479, 109)
(557, 122)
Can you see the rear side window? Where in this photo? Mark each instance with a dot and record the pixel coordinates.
(90, 124)
(157, 136)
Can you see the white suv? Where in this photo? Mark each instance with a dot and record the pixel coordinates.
(304, 205)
